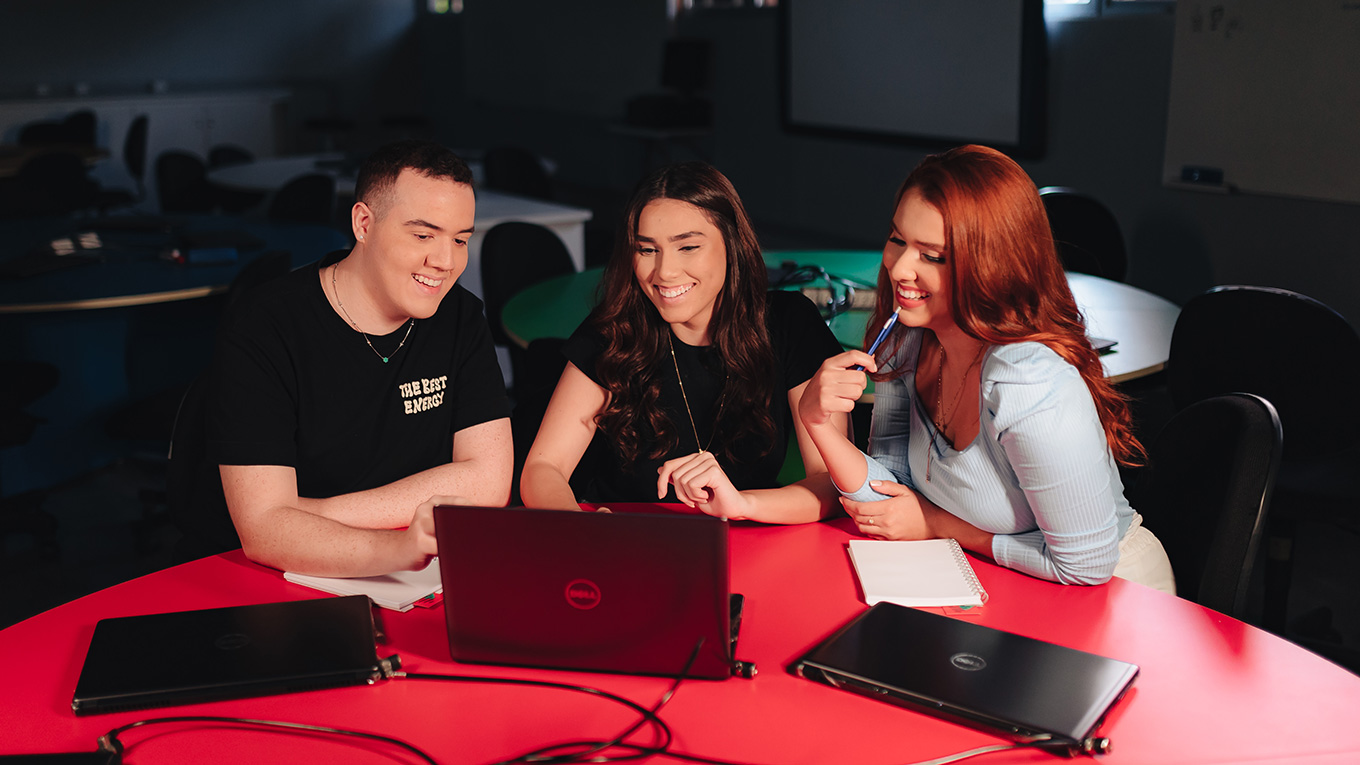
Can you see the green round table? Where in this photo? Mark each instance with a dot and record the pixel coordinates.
(557, 306)
(1138, 321)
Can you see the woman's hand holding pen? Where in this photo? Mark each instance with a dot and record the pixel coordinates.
(835, 388)
(700, 482)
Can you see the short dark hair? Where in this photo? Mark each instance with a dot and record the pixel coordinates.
(380, 170)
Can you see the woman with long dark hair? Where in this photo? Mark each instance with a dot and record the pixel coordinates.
(993, 423)
(682, 383)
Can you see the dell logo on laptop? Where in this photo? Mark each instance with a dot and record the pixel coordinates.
(583, 594)
(232, 641)
(969, 662)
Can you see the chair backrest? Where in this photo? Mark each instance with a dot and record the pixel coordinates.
(266, 267)
(76, 129)
(1292, 350)
(79, 127)
(134, 151)
(55, 183)
(182, 183)
(193, 487)
(514, 256)
(41, 133)
(307, 198)
(516, 171)
(1086, 232)
(1206, 494)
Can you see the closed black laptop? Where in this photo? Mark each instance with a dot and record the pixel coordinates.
(1001, 681)
(612, 592)
(189, 657)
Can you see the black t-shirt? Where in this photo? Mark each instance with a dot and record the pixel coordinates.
(801, 342)
(293, 384)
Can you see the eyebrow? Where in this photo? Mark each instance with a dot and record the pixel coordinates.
(927, 245)
(676, 238)
(422, 223)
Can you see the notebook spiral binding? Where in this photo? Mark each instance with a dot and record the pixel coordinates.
(966, 569)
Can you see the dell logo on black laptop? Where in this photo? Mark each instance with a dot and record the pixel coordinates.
(969, 662)
(232, 641)
(583, 594)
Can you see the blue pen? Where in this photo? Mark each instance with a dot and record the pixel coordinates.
(882, 335)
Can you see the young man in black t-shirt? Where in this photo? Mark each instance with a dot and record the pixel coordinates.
(351, 396)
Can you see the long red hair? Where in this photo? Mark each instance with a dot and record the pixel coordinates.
(1006, 282)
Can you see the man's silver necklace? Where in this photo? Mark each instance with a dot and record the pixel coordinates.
(409, 326)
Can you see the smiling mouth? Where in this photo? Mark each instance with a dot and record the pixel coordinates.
(427, 281)
(910, 294)
(674, 292)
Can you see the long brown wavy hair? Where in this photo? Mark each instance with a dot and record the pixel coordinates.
(635, 336)
(1006, 282)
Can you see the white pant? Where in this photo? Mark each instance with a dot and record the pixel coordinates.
(1142, 559)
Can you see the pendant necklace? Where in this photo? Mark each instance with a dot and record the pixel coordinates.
(685, 398)
(941, 417)
(336, 290)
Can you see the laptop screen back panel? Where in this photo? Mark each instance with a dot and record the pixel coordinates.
(195, 656)
(632, 593)
(999, 680)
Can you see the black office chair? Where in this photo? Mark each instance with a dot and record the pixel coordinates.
(182, 183)
(148, 423)
(1304, 358)
(193, 486)
(516, 171)
(134, 159)
(76, 129)
(1206, 492)
(307, 198)
(1086, 232)
(55, 183)
(541, 366)
(514, 256)
(229, 199)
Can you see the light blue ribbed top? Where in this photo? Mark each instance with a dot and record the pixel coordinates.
(1039, 475)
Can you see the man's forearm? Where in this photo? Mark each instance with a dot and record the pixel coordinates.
(391, 506)
(291, 539)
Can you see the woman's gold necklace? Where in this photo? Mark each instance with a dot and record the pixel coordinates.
(721, 401)
(334, 269)
(941, 417)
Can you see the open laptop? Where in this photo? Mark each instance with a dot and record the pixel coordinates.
(611, 592)
(187, 657)
(996, 680)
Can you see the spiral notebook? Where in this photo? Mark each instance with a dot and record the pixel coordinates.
(927, 572)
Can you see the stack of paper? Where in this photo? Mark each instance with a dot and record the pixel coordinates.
(398, 591)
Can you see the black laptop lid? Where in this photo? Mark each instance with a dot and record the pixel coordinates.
(612, 592)
(1007, 682)
(188, 657)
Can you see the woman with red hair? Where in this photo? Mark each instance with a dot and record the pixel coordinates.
(993, 423)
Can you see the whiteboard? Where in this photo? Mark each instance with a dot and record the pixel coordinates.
(1265, 98)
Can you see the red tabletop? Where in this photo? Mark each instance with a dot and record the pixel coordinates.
(1212, 690)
